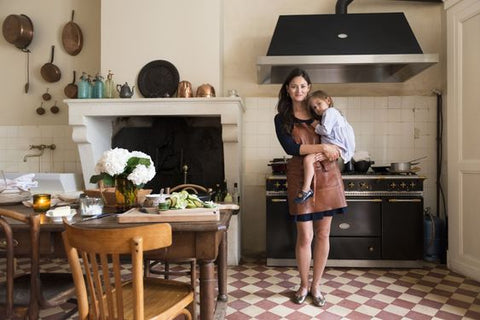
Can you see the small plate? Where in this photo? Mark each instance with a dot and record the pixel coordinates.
(14, 198)
(70, 196)
(69, 216)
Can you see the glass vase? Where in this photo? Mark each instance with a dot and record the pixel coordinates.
(125, 194)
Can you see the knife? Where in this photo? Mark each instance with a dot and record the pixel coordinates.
(100, 216)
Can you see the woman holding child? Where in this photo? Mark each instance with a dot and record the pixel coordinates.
(312, 211)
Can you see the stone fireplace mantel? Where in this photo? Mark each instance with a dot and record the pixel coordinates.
(92, 122)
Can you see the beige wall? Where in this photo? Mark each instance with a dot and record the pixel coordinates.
(48, 17)
(186, 33)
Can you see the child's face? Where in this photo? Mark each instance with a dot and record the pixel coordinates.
(319, 105)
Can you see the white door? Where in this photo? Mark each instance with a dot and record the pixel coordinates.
(463, 132)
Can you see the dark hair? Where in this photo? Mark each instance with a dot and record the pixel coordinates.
(285, 105)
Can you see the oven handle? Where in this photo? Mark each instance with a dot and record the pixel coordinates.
(278, 200)
(404, 200)
(364, 200)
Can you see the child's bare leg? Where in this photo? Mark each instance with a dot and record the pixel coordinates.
(308, 171)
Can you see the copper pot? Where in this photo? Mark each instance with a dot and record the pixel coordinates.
(18, 30)
(184, 89)
(206, 90)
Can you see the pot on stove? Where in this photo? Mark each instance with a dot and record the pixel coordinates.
(348, 167)
(362, 166)
(279, 165)
(404, 167)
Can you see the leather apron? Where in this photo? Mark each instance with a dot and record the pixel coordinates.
(327, 183)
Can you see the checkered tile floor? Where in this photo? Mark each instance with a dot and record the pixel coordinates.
(259, 292)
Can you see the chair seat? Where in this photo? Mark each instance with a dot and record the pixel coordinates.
(161, 297)
(55, 288)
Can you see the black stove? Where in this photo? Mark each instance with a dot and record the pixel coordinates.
(369, 184)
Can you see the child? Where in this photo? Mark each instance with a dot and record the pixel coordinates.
(334, 129)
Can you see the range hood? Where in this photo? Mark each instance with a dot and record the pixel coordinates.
(344, 48)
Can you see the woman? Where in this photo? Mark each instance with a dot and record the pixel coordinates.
(314, 216)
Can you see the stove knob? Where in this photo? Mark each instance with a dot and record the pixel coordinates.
(393, 185)
(403, 185)
(413, 184)
(351, 185)
(285, 185)
(364, 185)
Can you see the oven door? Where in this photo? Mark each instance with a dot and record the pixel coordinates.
(281, 232)
(402, 224)
(356, 234)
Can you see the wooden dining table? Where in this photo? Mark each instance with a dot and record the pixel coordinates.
(204, 240)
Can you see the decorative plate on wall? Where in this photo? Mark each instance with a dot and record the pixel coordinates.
(158, 79)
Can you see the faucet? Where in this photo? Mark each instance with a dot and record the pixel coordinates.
(40, 147)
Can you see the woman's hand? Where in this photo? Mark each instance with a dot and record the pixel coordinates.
(331, 152)
(320, 157)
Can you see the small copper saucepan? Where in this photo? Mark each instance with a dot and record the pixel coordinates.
(184, 89)
(49, 71)
(206, 90)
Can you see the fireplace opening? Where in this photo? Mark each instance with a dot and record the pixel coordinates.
(184, 149)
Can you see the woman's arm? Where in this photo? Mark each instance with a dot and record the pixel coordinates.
(323, 151)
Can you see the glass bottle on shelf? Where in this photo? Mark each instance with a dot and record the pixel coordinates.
(109, 90)
(98, 87)
(84, 87)
(235, 194)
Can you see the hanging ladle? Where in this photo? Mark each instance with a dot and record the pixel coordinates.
(41, 110)
(54, 108)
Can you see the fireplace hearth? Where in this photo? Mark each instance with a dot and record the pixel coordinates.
(183, 149)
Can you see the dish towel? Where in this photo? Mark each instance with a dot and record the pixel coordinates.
(24, 183)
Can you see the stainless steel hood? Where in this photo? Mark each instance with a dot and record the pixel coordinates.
(344, 48)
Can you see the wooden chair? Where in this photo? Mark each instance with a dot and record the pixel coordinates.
(114, 297)
(23, 295)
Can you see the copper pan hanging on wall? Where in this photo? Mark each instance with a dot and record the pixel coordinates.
(72, 37)
(18, 30)
(49, 71)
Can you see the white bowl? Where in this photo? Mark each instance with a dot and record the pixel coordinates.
(58, 218)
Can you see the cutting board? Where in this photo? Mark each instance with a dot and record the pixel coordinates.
(180, 215)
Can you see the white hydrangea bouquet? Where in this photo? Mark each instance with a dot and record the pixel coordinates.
(127, 172)
(135, 166)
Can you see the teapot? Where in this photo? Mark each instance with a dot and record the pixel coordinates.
(125, 91)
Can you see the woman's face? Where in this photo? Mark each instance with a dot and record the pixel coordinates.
(298, 89)
(318, 105)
